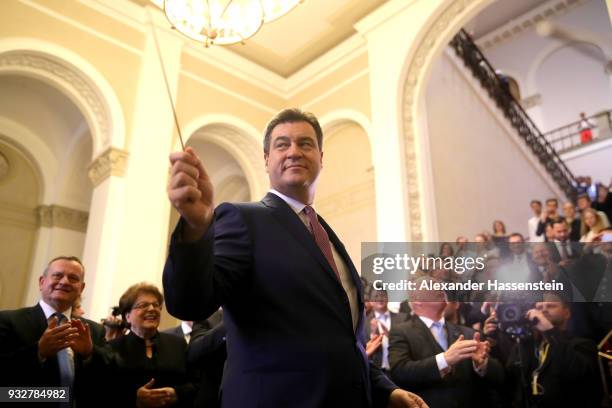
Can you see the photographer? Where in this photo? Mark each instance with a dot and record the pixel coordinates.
(114, 325)
(551, 368)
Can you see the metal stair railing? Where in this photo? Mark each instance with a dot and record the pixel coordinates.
(567, 137)
(480, 67)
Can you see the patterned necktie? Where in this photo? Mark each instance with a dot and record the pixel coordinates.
(64, 359)
(321, 238)
(437, 329)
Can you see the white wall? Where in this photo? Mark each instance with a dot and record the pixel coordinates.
(480, 172)
(594, 160)
(569, 76)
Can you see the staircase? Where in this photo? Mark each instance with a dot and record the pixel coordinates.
(480, 67)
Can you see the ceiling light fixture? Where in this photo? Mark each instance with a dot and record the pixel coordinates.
(222, 22)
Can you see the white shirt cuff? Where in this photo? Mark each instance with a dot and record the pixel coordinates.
(441, 362)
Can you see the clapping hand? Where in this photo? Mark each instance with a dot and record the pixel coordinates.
(55, 338)
(481, 355)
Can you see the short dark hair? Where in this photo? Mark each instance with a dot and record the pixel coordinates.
(551, 200)
(561, 298)
(127, 300)
(583, 195)
(559, 221)
(536, 202)
(517, 234)
(292, 115)
(64, 258)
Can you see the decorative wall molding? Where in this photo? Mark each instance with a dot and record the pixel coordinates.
(4, 166)
(69, 78)
(425, 50)
(348, 200)
(531, 101)
(526, 22)
(110, 163)
(62, 217)
(247, 153)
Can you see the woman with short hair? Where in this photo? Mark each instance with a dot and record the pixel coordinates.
(148, 368)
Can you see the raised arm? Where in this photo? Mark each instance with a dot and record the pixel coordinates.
(190, 191)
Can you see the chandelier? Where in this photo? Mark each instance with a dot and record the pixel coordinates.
(222, 22)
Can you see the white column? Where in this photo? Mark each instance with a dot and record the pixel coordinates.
(390, 32)
(104, 232)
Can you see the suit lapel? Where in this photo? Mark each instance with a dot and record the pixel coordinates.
(35, 321)
(418, 323)
(292, 223)
(452, 333)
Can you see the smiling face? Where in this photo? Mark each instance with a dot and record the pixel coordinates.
(145, 315)
(294, 160)
(61, 284)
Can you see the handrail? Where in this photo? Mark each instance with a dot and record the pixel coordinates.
(567, 137)
(473, 58)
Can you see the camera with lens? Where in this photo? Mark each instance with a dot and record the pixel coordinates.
(116, 322)
(512, 319)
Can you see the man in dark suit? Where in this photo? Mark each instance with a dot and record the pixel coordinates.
(446, 364)
(41, 345)
(573, 222)
(563, 251)
(183, 330)
(207, 352)
(591, 276)
(292, 299)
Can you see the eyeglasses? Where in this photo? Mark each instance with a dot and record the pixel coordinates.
(145, 305)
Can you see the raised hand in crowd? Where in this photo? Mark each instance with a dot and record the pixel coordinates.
(491, 326)
(481, 355)
(81, 343)
(191, 192)
(460, 350)
(74, 334)
(55, 338)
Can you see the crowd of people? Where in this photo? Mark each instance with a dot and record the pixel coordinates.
(123, 361)
(297, 327)
(541, 347)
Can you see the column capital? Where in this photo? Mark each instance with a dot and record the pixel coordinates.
(110, 163)
(62, 217)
